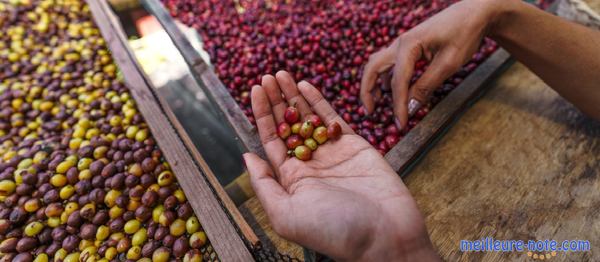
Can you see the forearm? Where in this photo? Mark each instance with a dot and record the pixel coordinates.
(565, 55)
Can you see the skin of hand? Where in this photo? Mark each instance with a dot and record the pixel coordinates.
(444, 40)
(562, 53)
(346, 202)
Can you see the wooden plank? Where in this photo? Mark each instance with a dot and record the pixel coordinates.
(522, 163)
(218, 226)
(420, 138)
(215, 91)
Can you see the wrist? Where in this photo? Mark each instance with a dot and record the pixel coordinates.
(400, 238)
(500, 14)
(418, 249)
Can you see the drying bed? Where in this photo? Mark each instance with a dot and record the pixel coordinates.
(324, 42)
(81, 176)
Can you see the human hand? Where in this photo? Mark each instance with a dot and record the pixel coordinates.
(447, 40)
(346, 202)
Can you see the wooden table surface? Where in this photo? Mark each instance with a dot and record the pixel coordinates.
(522, 164)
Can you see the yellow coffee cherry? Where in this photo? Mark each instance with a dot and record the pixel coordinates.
(131, 226)
(99, 152)
(66, 192)
(88, 253)
(139, 238)
(83, 244)
(84, 163)
(102, 232)
(85, 174)
(165, 178)
(115, 212)
(64, 166)
(92, 133)
(131, 131)
(53, 222)
(111, 197)
(25, 163)
(110, 253)
(179, 195)
(160, 255)
(7, 187)
(60, 254)
(73, 257)
(71, 207)
(156, 212)
(141, 135)
(33, 228)
(177, 228)
(198, 239)
(79, 133)
(192, 225)
(39, 157)
(58, 180)
(43, 257)
(115, 120)
(134, 253)
(32, 205)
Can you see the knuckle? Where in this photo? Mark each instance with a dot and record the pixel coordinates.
(422, 92)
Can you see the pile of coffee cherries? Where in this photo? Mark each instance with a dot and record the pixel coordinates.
(302, 138)
(81, 177)
(324, 42)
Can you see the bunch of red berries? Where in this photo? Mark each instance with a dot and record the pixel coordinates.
(302, 138)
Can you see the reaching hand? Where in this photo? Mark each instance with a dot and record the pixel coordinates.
(346, 202)
(447, 40)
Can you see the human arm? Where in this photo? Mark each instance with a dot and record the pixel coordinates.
(562, 53)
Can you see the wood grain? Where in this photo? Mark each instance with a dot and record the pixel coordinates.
(221, 231)
(522, 163)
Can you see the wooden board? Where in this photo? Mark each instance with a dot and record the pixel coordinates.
(522, 163)
(193, 174)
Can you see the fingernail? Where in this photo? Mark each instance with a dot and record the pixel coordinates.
(413, 106)
(398, 124)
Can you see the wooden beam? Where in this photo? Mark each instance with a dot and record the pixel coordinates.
(169, 135)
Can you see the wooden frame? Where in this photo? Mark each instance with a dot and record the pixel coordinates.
(209, 202)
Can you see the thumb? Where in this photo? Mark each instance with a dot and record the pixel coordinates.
(442, 67)
(270, 193)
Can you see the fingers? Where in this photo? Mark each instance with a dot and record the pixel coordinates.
(267, 130)
(402, 73)
(270, 193)
(442, 67)
(290, 91)
(322, 107)
(378, 63)
(278, 105)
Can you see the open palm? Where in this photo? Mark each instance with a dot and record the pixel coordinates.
(346, 201)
